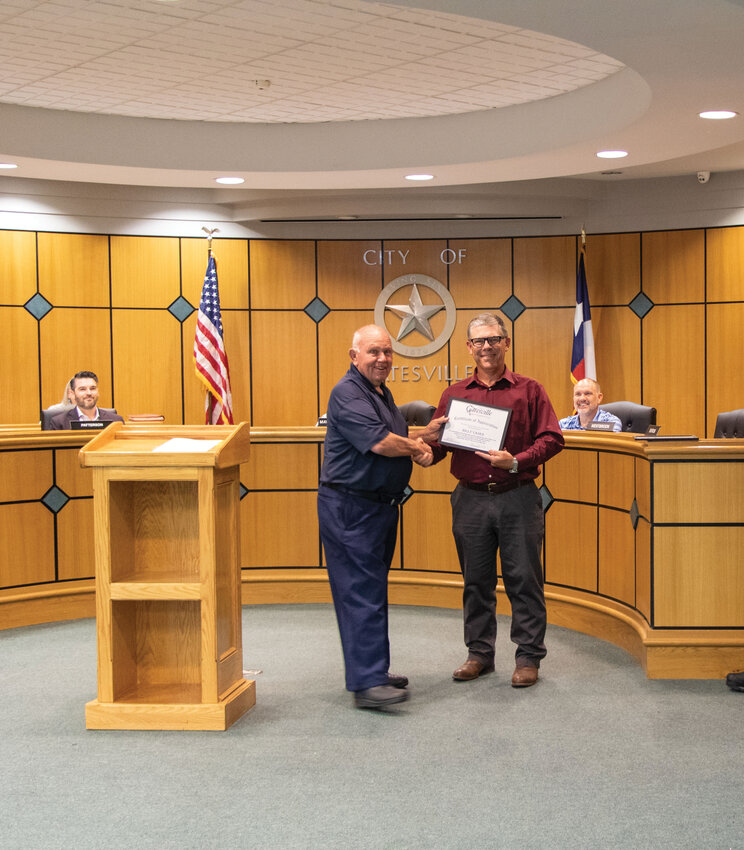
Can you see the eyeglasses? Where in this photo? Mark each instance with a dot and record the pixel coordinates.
(480, 341)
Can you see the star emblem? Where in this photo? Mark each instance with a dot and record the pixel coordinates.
(415, 315)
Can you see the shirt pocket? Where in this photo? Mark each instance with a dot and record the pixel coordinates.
(519, 429)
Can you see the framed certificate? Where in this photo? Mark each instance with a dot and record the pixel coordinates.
(474, 426)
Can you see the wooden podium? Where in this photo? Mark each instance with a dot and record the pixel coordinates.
(167, 546)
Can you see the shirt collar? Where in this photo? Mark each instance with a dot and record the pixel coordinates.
(507, 376)
(82, 416)
(357, 375)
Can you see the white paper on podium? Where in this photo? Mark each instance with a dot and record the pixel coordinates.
(186, 444)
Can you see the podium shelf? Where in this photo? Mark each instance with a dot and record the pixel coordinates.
(154, 531)
(165, 694)
(155, 589)
(215, 717)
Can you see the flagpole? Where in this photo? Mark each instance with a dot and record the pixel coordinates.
(209, 398)
(210, 357)
(583, 363)
(209, 238)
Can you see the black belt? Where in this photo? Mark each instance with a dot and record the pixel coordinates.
(495, 486)
(370, 495)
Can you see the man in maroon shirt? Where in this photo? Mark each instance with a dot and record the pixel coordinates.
(496, 506)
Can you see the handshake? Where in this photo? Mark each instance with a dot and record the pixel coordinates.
(424, 456)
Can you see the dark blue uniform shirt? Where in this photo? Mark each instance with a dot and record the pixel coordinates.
(359, 418)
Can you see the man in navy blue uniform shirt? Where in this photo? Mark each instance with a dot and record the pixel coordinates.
(366, 467)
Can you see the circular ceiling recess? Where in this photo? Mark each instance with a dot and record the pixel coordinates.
(287, 61)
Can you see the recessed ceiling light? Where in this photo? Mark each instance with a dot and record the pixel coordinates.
(8, 165)
(347, 217)
(718, 114)
(229, 181)
(611, 154)
(419, 176)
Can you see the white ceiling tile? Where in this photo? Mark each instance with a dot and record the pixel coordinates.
(327, 60)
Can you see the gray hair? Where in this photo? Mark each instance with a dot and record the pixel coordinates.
(488, 319)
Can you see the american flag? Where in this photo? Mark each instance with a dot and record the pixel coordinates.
(210, 359)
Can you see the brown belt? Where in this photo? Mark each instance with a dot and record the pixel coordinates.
(495, 486)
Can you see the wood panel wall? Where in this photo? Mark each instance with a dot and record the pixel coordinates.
(667, 308)
(642, 543)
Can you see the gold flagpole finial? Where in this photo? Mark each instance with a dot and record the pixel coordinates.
(583, 237)
(209, 237)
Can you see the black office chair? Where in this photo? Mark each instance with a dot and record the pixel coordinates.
(634, 417)
(730, 424)
(48, 413)
(417, 412)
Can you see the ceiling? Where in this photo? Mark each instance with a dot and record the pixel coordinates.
(283, 61)
(310, 97)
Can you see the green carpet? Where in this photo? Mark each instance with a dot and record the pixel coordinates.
(594, 756)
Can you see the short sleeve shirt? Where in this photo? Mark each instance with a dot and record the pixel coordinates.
(359, 418)
(572, 423)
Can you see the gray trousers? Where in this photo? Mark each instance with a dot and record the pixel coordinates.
(511, 524)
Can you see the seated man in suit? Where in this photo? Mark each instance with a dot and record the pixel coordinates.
(586, 398)
(84, 388)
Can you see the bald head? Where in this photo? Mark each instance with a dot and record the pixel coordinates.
(368, 330)
(587, 397)
(372, 353)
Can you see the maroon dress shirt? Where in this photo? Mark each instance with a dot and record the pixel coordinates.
(532, 436)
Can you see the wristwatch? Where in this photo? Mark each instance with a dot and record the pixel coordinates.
(514, 466)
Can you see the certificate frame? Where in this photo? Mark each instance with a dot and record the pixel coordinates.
(475, 426)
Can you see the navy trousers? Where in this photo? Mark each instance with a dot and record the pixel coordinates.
(511, 524)
(359, 540)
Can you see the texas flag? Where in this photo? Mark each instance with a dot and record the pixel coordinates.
(582, 356)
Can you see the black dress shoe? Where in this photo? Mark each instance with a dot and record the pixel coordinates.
(735, 681)
(380, 696)
(397, 681)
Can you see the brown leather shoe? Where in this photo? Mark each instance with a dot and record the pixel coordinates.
(524, 677)
(471, 669)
